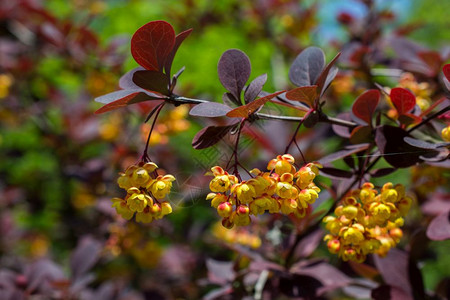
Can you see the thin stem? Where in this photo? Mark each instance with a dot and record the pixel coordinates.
(323, 118)
(435, 115)
(145, 156)
(236, 161)
(293, 136)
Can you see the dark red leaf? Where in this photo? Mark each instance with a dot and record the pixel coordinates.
(403, 100)
(343, 153)
(446, 70)
(178, 40)
(432, 59)
(122, 98)
(311, 119)
(439, 228)
(210, 136)
(152, 81)
(336, 173)
(390, 141)
(307, 67)
(152, 43)
(254, 88)
(246, 110)
(361, 134)
(306, 94)
(210, 110)
(234, 70)
(365, 105)
(327, 75)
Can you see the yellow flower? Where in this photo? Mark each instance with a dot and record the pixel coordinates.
(137, 202)
(446, 134)
(244, 192)
(161, 186)
(122, 208)
(282, 164)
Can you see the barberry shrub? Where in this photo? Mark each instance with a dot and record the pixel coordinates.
(386, 129)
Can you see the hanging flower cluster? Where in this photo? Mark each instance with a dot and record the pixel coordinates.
(238, 235)
(367, 222)
(446, 133)
(144, 189)
(282, 190)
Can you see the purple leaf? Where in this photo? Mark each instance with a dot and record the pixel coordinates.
(152, 81)
(234, 70)
(126, 81)
(41, 272)
(229, 100)
(254, 88)
(220, 272)
(343, 131)
(384, 292)
(328, 275)
(423, 144)
(439, 228)
(210, 136)
(394, 269)
(85, 256)
(209, 110)
(307, 66)
(309, 243)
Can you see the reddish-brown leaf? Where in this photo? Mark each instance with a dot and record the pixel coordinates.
(246, 110)
(152, 43)
(305, 94)
(127, 100)
(432, 59)
(446, 71)
(326, 77)
(365, 105)
(178, 40)
(361, 134)
(403, 100)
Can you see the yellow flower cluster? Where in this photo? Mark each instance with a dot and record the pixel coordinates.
(283, 189)
(446, 134)
(144, 190)
(236, 236)
(367, 222)
(170, 124)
